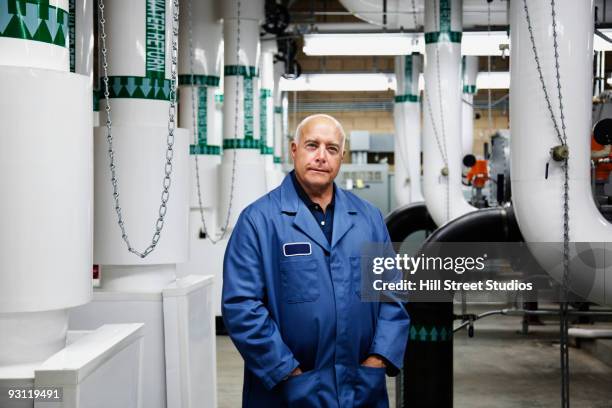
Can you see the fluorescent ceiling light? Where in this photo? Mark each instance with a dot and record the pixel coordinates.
(363, 44)
(376, 82)
(599, 44)
(473, 43)
(483, 43)
(339, 82)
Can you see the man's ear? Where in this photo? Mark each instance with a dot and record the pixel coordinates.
(293, 149)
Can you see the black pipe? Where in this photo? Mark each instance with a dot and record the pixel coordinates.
(427, 377)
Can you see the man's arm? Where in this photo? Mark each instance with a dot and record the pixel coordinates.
(393, 325)
(246, 317)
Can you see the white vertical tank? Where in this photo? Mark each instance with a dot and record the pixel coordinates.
(200, 63)
(140, 57)
(470, 74)
(442, 111)
(46, 210)
(241, 161)
(407, 118)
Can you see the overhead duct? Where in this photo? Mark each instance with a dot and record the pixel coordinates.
(442, 151)
(243, 177)
(470, 74)
(407, 118)
(537, 179)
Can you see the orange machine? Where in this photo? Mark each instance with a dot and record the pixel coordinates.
(478, 174)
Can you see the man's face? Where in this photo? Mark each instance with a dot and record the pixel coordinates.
(318, 154)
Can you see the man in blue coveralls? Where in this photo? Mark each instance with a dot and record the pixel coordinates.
(291, 288)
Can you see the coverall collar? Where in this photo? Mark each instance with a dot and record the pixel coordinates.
(292, 204)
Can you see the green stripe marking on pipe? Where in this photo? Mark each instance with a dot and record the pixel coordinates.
(242, 70)
(202, 80)
(137, 87)
(241, 144)
(219, 98)
(264, 94)
(202, 147)
(407, 98)
(277, 159)
(430, 333)
(34, 20)
(469, 89)
(72, 33)
(445, 34)
(208, 150)
(155, 40)
(278, 109)
(248, 73)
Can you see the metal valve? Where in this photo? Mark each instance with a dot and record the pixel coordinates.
(559, 153)
(444, 171)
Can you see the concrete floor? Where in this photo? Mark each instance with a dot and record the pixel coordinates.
(497, 368)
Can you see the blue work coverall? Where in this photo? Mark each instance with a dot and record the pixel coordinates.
(287, 304)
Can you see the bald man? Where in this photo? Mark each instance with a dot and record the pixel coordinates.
(292, 287)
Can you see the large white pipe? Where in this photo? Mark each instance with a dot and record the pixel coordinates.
(442, 112)
(407, 118)
(35, 35)
(538, 201)
(266, 113)
(278, 117)
(200, 87)
(46, 210)
(241, 143)
(139, 47)
(470, 74)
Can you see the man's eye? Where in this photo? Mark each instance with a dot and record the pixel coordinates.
(333, 150)
(311, 145)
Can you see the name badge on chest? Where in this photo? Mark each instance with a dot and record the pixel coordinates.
(297, 249)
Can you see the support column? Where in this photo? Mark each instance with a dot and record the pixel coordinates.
(266, 113)
(241, 142)
(407, 115)
(279, 132)
(197, 107)
(442, 111)
(470, 74)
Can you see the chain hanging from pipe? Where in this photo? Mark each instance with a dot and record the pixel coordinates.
(224, 229)
(559, 153)
(441, 143)
(167, 181)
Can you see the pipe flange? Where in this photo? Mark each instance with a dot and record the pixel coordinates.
(444, 171)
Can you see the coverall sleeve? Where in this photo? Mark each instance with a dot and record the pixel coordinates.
(393, 325)
(245, 314)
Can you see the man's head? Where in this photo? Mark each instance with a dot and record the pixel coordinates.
(317, 150)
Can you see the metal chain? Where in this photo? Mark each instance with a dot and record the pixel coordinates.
(224, 229)
(167, 181)
(539, 68)
(416, 25)
(562, 136)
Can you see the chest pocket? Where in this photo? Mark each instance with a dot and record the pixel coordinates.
(300, 281)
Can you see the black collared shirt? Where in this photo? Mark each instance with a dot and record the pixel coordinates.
(325, 219)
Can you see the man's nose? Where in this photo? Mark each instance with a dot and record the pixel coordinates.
(321, 155)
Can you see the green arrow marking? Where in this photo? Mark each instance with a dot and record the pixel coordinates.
(413, 333)
(423, 334)
(434, 334)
